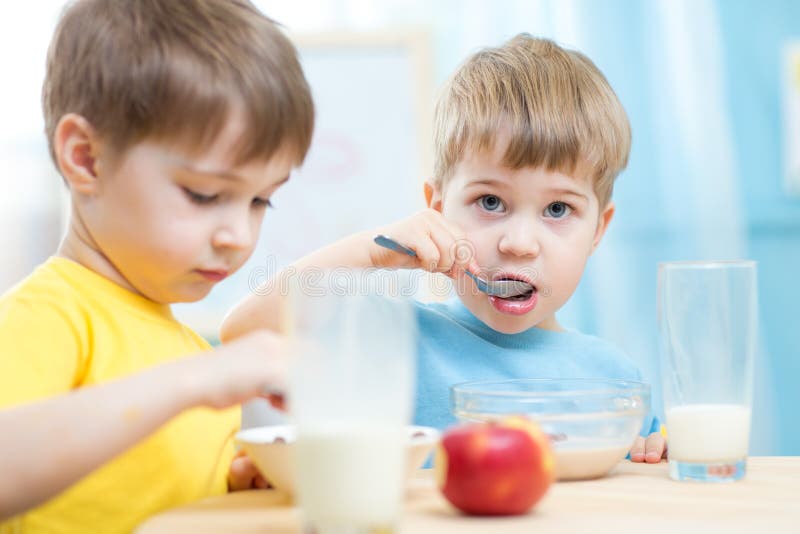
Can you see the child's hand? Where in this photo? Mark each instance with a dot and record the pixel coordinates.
(441, 246)
(252, 366)
(244, 475)
(652, 450)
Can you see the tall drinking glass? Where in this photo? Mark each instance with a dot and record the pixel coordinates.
(351, 397)
(707, 315)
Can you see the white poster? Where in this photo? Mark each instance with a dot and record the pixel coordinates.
(791, 117)
(366, 166)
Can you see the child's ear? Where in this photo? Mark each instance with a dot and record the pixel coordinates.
(602, 223)
(433, 196)
(76, 147)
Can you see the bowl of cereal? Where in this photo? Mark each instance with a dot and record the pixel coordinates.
(271, 449)
(592, 423)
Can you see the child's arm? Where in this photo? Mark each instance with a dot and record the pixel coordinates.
(49, 445)
(435, 240)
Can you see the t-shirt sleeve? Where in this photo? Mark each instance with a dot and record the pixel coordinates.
(40, 350)
(656, 426)
(651, 424)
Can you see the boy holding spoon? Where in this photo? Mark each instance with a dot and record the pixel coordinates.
(529, 138)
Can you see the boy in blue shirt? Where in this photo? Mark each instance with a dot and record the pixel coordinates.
(529, 138)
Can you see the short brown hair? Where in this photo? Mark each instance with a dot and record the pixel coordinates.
(558, 107)
(174, 70)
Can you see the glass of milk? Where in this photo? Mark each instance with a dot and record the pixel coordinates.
(708, 318)
(350, 396)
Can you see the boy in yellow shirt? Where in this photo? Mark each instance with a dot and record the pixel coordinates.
(172, 124)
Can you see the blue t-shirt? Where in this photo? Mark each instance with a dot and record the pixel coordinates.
(455, 346)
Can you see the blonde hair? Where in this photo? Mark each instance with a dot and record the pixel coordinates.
(557, 106)
(174, 71)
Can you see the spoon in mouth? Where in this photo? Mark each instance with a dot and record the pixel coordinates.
(496, 288)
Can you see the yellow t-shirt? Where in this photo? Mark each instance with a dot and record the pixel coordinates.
(65, 327)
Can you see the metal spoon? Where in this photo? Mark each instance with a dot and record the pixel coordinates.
(497, 288)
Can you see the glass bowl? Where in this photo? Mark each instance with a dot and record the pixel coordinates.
(592, 423)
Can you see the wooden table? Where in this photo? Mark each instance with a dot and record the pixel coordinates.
(634, 498)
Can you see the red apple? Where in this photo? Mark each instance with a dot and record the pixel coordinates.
(500, 468)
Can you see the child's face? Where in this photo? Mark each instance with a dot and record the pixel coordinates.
(532, 224)
(171, 225)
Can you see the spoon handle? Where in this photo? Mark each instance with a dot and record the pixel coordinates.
(391, 244)
(502, 288)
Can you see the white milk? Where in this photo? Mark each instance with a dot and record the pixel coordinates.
(577, 463)
(706, 433)
(352, 476)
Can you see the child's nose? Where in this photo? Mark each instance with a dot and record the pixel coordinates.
(519, 239)
(237, 235)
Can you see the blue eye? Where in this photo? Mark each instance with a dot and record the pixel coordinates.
(557, 210)
(491, 203)
(198, 198)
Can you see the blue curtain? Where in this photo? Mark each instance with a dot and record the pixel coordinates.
(702, 84)
(701, 81)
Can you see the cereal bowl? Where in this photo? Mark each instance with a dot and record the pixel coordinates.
(271, 449)
(592, 423)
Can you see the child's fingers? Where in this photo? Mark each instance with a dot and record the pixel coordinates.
(638, 450)
(459, 250)
(654, 447)
(464, 254)
(277, 400)
(432, 242)
(447, 244)
(243, 474)
(428, 254)
(250, 366)
(456, 252)
(430, 231)
(437, 243)
(261, 483)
